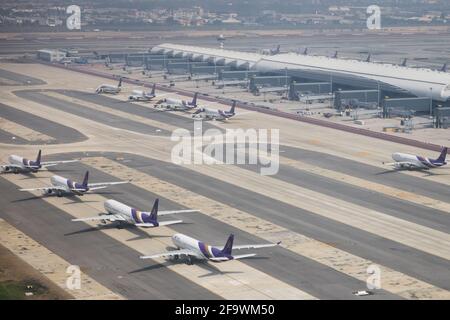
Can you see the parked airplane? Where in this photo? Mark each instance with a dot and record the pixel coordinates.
(108, 88)
(18, 164)
(210, 114)
(62, 186)
(139, 95)
(176, 104)
(192, 248)
(124, 214)
(411, 162)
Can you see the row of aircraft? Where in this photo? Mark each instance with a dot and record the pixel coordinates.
(171, 104)
(188, 248)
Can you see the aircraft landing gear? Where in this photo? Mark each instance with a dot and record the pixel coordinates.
(175, 258)
(189, 261)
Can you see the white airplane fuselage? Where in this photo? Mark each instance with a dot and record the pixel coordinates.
(19, 164)
(118, 208)
(138, 95)
(174, 104)
(418, 162)
(106, 88)
(211, 114)
(19, 161)
(202, 251)
(182, 241)
(62, 182)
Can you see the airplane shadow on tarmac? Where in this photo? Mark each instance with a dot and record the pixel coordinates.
(425, 172)
(140, 234)
(212, 270)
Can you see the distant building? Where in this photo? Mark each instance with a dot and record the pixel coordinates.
(231, 19)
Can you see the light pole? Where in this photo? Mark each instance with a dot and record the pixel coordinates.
(285, 82)
(431, 102)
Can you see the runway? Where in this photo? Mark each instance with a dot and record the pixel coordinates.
(399, 257)
(112, 264)
(7, 137)
(161, 116)
(19, 79)
(59, 133)
(327, 224)
(371, 173)
(95, 115)
(316, 279)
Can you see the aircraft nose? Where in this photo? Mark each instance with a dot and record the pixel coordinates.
(396, 156)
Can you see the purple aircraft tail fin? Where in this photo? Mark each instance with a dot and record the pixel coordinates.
(153, 90)
(277, 50)
(38, 158)
(154, 212)
(443, 155)
(232, 107)
(229, 245)
(194, 100)
(85, 180)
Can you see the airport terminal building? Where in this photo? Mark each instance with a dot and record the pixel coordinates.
(431, 87)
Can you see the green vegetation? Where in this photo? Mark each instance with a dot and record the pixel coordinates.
(15, 290)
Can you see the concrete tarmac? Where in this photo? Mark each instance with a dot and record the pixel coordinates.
(387, 177)
(88, 113)
(60, 133)
(111, 263)
(394, 255)
(20, 79)
(170, 117)
(306, 274)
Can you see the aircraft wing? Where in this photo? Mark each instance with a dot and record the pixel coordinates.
(161, 95)
(164, 213)
(54, 163)
(53, 188)
(108, 217)
(160, 224)
(185, 252)
(167, 223)
(11, 166)
(96, 188)
(256, 246)
(102, 184)
(402, 163)
(144, 225)
(242, 256)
